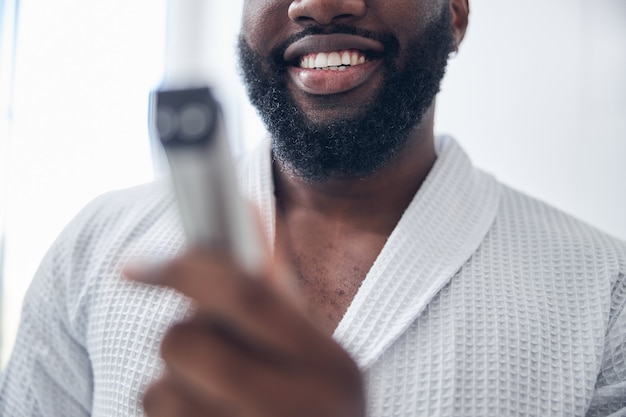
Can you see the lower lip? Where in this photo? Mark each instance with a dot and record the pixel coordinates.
(326, 82)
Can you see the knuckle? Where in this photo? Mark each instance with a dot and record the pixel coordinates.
(255, 297)
(173, 340)
(175, 268)
(152, 397)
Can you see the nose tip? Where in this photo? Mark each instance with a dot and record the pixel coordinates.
(325, 12)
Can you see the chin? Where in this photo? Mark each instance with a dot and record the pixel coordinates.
(324, 110)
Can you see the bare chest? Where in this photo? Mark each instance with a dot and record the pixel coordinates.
(329, 271)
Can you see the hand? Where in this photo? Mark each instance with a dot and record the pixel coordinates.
(247, 350)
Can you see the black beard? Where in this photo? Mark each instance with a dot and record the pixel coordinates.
(358, 146)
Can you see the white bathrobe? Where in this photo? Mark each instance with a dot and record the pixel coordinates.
(483, 302)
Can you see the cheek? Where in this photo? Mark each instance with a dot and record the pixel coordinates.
(409, 18)
(264, 23)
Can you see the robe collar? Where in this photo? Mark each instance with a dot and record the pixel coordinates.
(439, 231)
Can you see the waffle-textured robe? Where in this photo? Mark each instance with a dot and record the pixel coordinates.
(483, 302)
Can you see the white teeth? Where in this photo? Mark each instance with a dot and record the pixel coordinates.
(345, 58)
(336, 60)
(321, 60)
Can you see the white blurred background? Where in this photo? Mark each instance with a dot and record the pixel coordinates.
(537, 96)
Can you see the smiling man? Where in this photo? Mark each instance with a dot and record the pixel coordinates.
(402, 281)
(343, 87)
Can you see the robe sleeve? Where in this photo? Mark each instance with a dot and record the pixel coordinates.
(49, 371)
(609, 398)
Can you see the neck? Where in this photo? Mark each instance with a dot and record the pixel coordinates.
(376, 202)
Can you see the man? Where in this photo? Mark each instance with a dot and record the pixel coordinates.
(402, 281)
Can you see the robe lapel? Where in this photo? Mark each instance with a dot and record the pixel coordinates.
(441, 228)
(257, 185)
(444, 224)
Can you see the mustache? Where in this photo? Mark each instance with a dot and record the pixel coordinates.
(390, 42)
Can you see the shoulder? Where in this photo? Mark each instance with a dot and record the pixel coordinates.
(547, 235)
(137, 200)
(135, 223)
(121, 210)
(523, 212)
(116, 213)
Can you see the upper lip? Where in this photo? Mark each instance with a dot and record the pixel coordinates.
(328, 43)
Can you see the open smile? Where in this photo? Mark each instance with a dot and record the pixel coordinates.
(334, 63)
